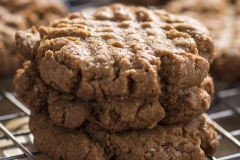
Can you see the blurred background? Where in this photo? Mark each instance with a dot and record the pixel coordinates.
(15, 138)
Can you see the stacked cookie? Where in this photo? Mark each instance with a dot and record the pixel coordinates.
(123, 83)
(22, 14)
(222, 18)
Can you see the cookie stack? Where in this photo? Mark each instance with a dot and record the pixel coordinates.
(222, 18)
(22, 14)
(123, 83)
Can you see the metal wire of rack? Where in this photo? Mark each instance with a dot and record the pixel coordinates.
(224, 109)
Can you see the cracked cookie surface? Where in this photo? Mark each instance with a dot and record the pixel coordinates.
(111, 113)
(123, 51)
(180, 142)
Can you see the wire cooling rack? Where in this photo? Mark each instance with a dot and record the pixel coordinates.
(17, 143)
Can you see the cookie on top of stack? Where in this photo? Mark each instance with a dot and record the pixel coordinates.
(22, 14)
(222, 18)
(121, 83)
